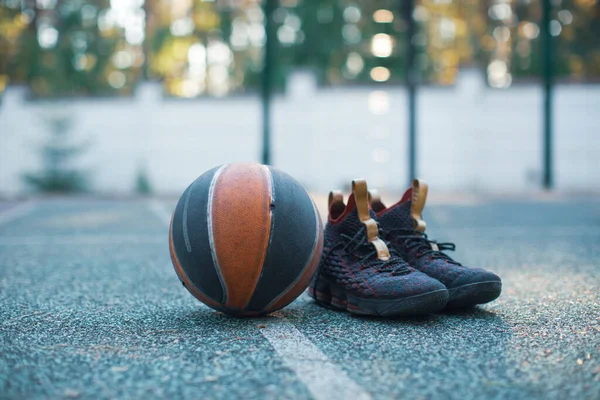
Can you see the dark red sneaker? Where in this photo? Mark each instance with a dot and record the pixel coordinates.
(404, 229)
(359, 274)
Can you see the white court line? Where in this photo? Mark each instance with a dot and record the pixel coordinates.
(160, 211)
(17, 211)
(324, 379)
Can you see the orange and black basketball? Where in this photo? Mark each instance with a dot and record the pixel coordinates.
(245, 239)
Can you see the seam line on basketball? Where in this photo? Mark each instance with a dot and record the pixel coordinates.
(271, 184)
(209, 224)
(165, 216)
(184, 276)
(310, 259)
(186, 237)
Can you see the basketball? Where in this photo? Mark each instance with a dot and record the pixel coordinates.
(245, 239)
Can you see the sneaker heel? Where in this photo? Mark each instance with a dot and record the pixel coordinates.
(320, 292)
(338, 298)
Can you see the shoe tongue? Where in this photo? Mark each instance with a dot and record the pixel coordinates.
(407, 213)
(359, 215)
(397, 216)
(350, 223)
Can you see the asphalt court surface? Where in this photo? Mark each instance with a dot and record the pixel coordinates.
(91, 308)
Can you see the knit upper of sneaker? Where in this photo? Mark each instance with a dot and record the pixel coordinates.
(350, 261)
(419, 251)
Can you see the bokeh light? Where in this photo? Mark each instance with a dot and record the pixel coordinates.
(213, 48)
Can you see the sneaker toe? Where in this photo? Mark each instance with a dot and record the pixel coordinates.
(476, 287)
(473, 276)
(418, 283)
(411, 294)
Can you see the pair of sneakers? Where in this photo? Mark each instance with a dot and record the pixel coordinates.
(378, 260)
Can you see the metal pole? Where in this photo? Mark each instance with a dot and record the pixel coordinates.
(547, 78)
(408, 7)
(267, 73)
(146, 46)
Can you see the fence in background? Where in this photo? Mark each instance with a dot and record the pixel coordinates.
(407, 8)
(471, 137)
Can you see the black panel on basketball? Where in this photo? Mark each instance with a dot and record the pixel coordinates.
(195, 256)
(292, 241)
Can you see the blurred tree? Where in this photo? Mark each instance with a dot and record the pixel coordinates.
(198, 47)
(12, 24)
(343, 41)
(445, 38)
(511, 43)
(577, 30)
(74, 47)
(58, 152)
(142, 181)
(201, 47)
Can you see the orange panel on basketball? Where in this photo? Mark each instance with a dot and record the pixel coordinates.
(241, 223)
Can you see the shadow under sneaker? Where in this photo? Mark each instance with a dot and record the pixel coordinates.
(359, 274)
(404, 230)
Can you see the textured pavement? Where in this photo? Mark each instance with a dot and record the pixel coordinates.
(90, 307)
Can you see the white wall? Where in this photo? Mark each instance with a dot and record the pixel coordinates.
(470, 137)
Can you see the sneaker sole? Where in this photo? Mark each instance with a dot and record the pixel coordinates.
(473, 294)
(334, 297)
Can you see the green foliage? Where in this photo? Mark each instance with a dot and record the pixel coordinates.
(142, 182)
(93, 56)
(57, 154)
(80, 62)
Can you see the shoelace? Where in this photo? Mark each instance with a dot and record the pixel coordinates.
(422, 244)
(359, 244)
